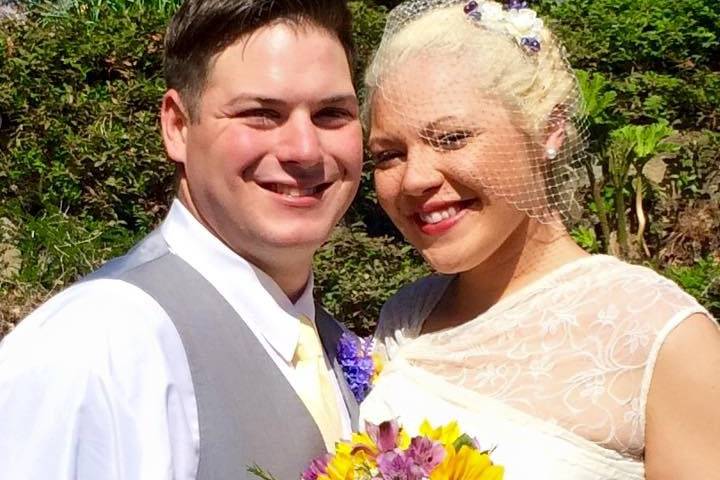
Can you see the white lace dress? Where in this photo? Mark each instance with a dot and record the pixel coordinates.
(554, 376)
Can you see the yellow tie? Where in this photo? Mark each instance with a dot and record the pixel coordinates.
(314, 386)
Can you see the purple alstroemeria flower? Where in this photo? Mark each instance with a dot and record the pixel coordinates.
(395, 465)
(425, 454)
(384, 435)
(355, 358)
(316, 468)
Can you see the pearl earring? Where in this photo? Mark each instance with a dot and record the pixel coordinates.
(551, 153)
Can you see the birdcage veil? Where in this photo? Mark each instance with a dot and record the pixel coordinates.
(492, 79)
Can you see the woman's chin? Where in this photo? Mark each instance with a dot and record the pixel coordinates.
(448, 262)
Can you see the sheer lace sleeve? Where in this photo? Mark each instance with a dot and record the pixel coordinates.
(679, 307)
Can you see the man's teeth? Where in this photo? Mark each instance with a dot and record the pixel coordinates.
(294, 192)
(439, 215)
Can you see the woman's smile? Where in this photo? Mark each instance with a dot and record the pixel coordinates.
(437, 218)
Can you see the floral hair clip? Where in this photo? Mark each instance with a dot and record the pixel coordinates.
(513, 18)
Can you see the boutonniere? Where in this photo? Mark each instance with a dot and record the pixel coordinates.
(360, 366)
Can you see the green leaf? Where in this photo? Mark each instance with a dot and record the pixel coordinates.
(259, 472)
(464, 440)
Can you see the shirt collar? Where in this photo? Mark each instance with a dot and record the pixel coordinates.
(254, 295)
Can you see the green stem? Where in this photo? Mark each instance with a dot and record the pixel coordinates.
(621, 220)
(596, 189)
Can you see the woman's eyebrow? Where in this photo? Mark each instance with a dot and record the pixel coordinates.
(439, 124)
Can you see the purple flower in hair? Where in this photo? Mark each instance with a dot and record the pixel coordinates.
(516, 4)
(470, 7)
(531, 44)
(354, 355)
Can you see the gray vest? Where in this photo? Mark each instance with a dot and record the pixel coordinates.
(247, 411)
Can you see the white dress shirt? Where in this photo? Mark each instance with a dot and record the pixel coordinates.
(95, 383)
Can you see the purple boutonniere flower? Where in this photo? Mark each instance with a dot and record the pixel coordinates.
(354, 354)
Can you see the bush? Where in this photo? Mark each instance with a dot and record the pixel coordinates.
(661, 55)
(80, 132)
(357, 273)
(701, 280)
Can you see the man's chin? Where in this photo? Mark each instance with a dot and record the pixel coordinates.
(307, 236)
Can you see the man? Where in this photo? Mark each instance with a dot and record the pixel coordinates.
(197, 353)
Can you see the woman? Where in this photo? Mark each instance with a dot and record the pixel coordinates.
(571, 366)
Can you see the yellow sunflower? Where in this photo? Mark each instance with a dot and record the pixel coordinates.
(446, 435)
(467, 464)
(340, 467)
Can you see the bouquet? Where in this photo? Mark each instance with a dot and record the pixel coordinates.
(386, 452)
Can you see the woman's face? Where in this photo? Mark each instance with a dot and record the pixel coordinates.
(448, 163)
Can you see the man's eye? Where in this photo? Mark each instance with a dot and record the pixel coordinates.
(333, 117)
(450, 140)
(260, 116)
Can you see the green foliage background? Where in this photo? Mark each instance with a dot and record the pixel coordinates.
(83, 175)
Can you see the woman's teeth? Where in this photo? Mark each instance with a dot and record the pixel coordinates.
(439, 215)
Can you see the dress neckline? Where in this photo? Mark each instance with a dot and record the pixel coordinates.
(504, 303)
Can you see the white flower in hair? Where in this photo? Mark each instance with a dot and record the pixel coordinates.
(492, 12)
(513, 18)
(523, 23)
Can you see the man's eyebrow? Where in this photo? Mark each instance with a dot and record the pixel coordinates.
(249, 97)
(264, 100)
(338, 99)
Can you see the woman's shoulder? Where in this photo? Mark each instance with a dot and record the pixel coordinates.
(415, 299)
(638, 287)
(403, 314)
(639, 305)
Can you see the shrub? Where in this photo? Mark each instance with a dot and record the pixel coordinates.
(357, 273)
(80, 133)
(661, 55)
(702, 281)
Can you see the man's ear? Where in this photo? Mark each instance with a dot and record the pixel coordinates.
(174, 121)
(555, 128)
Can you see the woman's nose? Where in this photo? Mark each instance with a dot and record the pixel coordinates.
(420, 175)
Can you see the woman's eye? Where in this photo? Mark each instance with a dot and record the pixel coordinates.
(383, 159)
(450, 140)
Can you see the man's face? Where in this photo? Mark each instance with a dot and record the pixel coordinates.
(274, 155)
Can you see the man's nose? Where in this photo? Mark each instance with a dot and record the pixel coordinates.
(300, 141)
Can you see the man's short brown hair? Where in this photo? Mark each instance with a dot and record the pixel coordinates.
(202, 28)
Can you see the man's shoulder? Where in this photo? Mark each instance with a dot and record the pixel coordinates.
(85, 321)
(99, 354)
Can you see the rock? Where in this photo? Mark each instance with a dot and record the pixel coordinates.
(10, 9)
